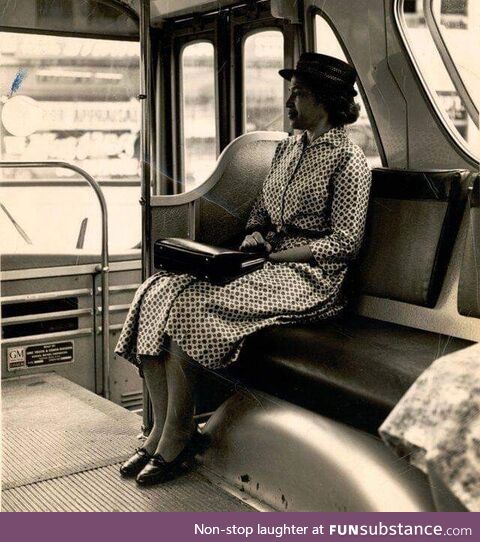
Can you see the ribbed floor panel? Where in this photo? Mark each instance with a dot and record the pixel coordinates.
(62, 446)
(52, 427)
(102, 490)
(32, 455)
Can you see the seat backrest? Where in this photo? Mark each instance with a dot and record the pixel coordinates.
(224, 210)
(469, 283)
(216, 211)
(413, 221)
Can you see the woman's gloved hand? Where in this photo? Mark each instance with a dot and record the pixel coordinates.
(255, 243)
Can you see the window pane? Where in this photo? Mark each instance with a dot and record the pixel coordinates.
(199, 126)
(82, 93)
(361, 131)
(263, 57)
(457, 21)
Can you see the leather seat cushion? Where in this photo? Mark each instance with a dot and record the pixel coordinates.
(354, 369)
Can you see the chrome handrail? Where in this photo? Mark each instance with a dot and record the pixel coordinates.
(103, 268)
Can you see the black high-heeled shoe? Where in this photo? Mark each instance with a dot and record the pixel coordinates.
(157, 470)
(136, 463)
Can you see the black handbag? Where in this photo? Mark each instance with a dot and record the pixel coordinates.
(215, 264)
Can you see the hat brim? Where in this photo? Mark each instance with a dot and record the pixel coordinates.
(289, 73)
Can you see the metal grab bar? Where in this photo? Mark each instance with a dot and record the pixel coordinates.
(103, 268)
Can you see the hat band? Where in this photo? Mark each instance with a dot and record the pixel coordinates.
(320, 71)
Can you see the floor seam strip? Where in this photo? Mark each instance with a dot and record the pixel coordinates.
(87, 469)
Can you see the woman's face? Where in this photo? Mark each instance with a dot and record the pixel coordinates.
(304, 112)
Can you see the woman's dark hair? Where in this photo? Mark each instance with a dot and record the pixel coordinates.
(340, 106)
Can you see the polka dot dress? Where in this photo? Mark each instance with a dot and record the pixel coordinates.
(315, 194)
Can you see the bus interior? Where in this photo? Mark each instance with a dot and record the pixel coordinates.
(126, 121)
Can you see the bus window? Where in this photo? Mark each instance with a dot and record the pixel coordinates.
(263, 88)
(84, 93)
(457, 22)
(199, 124)
(361, 132)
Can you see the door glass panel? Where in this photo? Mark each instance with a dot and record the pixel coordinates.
(361, 131)
(199, 123)
(73, 100)
(263, 57)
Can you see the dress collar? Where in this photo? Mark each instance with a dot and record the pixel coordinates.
(334, 137)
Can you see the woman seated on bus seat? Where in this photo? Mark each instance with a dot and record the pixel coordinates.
(309, 217)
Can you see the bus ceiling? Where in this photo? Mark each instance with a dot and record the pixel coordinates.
(114, 18)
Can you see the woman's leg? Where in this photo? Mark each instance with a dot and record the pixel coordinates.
(156, 380)
(181, 376)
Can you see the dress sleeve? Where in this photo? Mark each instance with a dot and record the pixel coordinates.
(351, 188)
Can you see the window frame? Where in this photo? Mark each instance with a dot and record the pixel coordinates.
(439, 116)
(242, 31)
(448, 61)
(225, 29)
(314, 11)
(248, 34)
(181, 166)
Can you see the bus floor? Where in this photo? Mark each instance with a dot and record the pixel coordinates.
(62, 447)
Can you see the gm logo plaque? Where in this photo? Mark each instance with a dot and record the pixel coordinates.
(16, 358)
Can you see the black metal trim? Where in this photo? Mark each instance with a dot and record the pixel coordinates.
(223, 81)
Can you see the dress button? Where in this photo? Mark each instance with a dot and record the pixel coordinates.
(278, 228)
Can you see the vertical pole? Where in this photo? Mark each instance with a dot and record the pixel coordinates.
(223, 80)
(145, 155)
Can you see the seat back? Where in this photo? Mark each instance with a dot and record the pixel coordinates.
(412, 225)
(216, 211)
(223, 211)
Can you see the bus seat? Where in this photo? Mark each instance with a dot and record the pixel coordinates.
(354, 368)
(469, 286)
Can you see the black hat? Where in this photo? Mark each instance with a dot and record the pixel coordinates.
(328, 72)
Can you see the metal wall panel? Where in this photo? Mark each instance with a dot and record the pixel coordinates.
(125, 383)
(411, 134)
(82, 369)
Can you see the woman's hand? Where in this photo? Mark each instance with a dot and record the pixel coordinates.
(255, 243)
